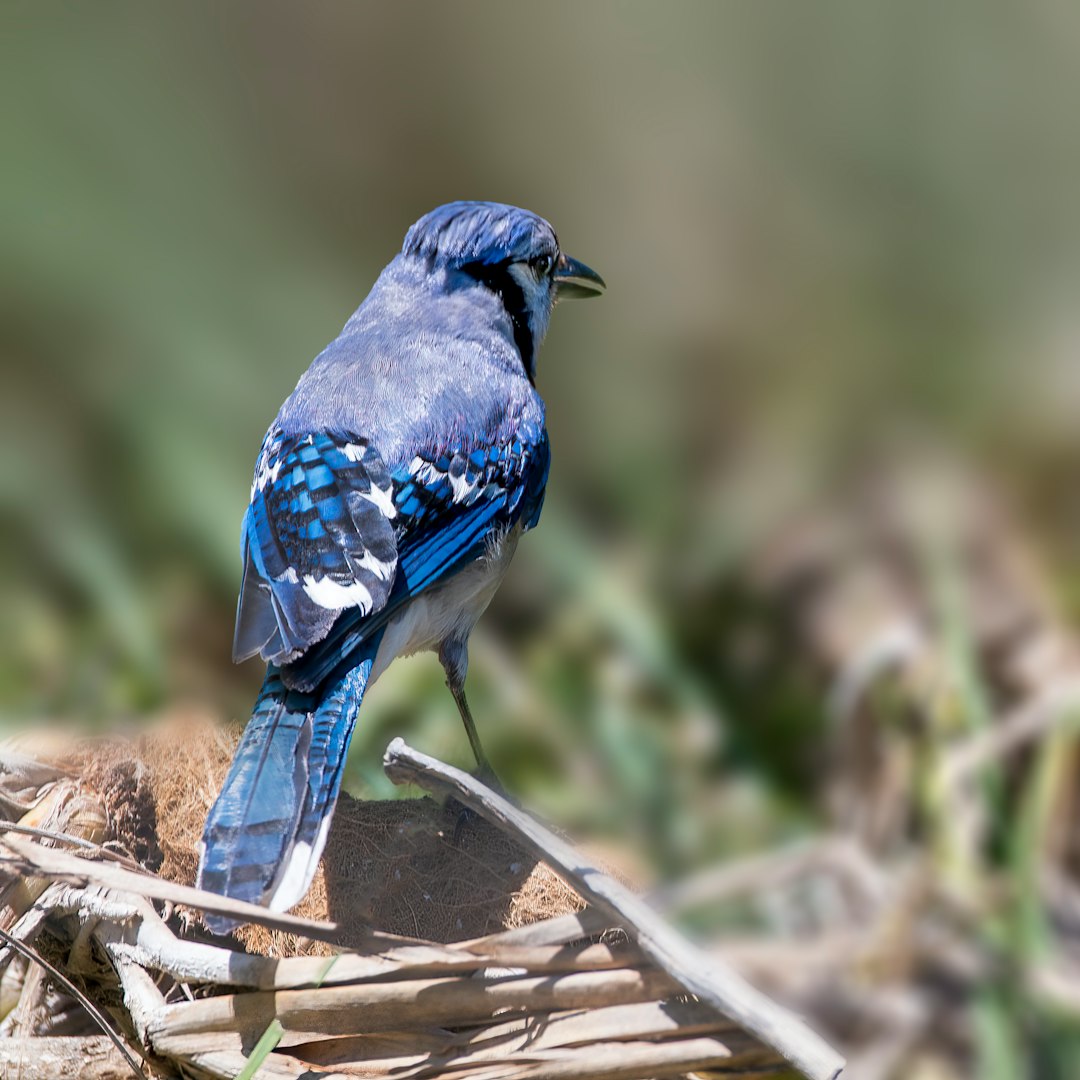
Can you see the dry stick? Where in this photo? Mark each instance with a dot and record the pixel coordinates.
(133, 931)
(566, 1032)
(63, 865)
(51, 862)
(625, 1059)
(28, 924)
(229, 1022)
(144, 1001)
(146, 940)
(557, 930)
(48, 834)
(75, 841)
(78, 995)
(583, 1027)
(706, 979)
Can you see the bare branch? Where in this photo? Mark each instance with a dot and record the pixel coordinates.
(707, 979)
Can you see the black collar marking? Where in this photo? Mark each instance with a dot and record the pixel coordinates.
(497, 278)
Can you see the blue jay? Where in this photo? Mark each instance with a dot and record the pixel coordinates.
(387, 501)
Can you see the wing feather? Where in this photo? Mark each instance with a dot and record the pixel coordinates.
(317, 539)
(449, 505)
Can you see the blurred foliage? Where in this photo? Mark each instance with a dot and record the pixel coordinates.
(829, 231)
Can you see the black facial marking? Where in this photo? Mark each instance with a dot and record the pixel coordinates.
(497, 278)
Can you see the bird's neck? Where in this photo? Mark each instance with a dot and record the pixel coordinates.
(470, 303)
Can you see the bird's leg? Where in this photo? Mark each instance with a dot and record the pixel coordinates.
(454, 656)
(470, 729)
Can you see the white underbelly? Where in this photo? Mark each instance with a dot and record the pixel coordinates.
(448, 611)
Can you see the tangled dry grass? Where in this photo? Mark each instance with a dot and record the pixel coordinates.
(388, 864)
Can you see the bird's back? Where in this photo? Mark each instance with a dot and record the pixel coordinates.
(427, 362)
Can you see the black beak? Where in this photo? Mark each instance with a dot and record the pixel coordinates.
(575, 281)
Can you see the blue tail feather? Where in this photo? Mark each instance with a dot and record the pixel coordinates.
(267, 829)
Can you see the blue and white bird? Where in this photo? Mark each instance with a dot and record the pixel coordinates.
(388, 498)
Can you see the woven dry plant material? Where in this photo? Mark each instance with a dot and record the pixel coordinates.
(409, 866)
(528, 990)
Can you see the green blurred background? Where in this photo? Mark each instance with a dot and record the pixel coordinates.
(831, 232)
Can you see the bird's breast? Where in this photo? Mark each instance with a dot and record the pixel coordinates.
(447, 611)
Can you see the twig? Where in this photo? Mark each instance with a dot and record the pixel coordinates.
(714, 983)
(645, 1020)
(573, 926)
(51, 862)
(77, 994)
(26, 927)
(67, 838)
(620, 1059)
(143, 999)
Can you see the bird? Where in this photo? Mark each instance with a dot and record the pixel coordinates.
(388, 497)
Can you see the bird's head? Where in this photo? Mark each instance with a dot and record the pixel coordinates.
(513, 253)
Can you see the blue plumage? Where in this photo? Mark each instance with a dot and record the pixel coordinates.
(461, 233)
(265, 832)
(387, 500)
(319, 523)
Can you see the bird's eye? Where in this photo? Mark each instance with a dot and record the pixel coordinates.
(542, 265)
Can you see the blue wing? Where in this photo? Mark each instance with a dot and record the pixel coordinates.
(449, 505)
(317, 538)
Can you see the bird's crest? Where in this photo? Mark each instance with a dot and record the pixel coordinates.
(480, 232)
